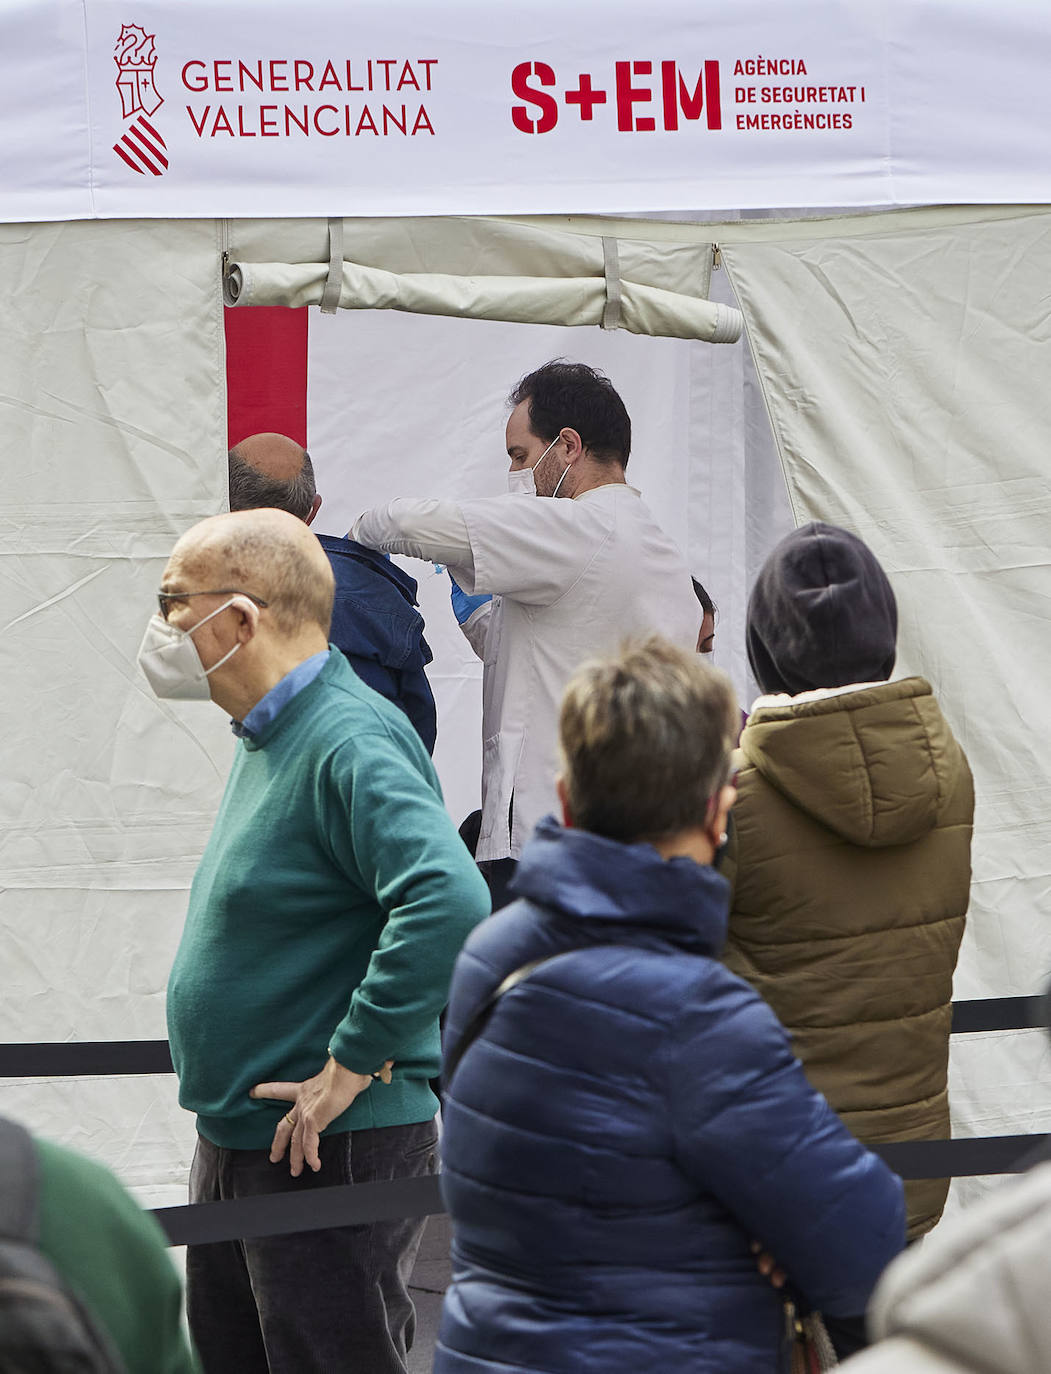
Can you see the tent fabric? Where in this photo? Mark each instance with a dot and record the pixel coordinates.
(477, 270)
(112, 418)
(495, 247)
(563, 300)
(900, 357)
(904, 371)
(543, 270)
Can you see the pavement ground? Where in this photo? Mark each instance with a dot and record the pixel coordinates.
(430, 1278)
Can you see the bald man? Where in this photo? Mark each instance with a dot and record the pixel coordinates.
(323, 923)
(374, 617)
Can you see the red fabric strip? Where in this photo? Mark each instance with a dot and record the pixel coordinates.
(266, 371)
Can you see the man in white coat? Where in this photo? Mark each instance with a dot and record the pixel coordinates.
(569, 577)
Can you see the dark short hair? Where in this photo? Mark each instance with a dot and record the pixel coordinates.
(253, 490)
(579, 397)
(708, 606)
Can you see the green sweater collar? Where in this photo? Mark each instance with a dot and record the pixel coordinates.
(293, 710)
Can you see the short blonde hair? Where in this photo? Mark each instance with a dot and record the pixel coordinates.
(645, 739)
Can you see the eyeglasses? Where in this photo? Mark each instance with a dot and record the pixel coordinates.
(164, 599)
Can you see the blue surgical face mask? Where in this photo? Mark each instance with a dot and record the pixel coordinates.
(521, 482)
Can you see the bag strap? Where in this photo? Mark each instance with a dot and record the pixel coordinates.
(480, 1019)
(19, 1183)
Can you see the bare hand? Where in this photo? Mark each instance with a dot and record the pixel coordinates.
(767, 1265)
(315, 1103)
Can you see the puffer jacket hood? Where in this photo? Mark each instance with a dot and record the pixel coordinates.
(972, 1298)
(612, 886)
(876, 766)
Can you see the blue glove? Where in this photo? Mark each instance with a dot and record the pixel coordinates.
(464, 606)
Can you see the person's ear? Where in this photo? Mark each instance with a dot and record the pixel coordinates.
(313, 510)
(718, 811)
(247, 613)
(563, 800)
(573, 442)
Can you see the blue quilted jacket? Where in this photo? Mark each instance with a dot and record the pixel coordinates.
(630, 1119)
(375, 623)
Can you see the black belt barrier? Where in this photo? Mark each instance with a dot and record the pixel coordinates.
(109, 1058)
(358, 1204)
(84, 1058)
(999, 1013)
(962, 1158)
(281, 1214)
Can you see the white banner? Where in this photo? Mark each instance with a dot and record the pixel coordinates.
(181, 108)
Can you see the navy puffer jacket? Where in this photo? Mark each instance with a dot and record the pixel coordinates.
(630, 1119)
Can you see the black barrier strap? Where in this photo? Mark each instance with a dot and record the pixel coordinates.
(108, 1058)
(999, 1013)
(313, 1209)
(966, 1158)
(319, 1209)
(72, 1058)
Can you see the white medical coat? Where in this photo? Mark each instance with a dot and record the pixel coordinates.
(571, 579)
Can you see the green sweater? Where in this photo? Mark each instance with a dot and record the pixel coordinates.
(327, 911)
(113, 1257)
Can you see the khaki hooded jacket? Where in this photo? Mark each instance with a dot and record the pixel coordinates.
(850, 863)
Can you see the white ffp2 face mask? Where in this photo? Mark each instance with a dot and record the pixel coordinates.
(521, 482)
(171, 664)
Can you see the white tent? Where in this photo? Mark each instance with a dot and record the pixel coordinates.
(899, 355)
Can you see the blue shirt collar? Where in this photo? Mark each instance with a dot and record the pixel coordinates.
(266, 708)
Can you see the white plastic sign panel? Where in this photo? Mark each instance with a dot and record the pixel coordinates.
(378, 108)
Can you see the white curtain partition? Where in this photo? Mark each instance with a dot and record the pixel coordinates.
(526, 275)
(112, 420)
(902, 359)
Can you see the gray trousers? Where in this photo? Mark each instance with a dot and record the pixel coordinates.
(317, 1302)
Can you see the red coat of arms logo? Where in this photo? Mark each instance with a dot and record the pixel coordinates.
(141, 146)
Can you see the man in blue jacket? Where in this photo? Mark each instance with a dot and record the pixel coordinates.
(374, 617)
